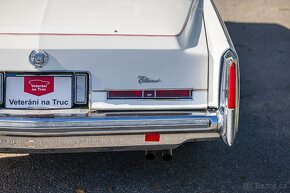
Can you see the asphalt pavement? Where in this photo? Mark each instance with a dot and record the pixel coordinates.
(259, 161)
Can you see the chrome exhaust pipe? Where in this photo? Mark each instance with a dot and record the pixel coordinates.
(167, 155)
(150, 155)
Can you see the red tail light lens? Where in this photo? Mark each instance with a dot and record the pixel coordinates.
(232, 86)
(151, 94)
(173, 94)
(152, 137)
(124, 94)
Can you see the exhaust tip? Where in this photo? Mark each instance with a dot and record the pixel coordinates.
(150, 155)
(167, 155)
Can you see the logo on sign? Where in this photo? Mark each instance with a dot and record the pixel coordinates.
(39, 85)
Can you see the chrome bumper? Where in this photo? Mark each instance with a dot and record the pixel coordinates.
(104, 132)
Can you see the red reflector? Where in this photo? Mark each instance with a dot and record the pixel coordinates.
(173, 94)
(125, 94)
(153, 137)
(232, 86)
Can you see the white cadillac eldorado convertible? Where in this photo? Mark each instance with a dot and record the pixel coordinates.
(110, 75)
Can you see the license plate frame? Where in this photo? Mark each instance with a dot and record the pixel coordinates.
(39, 91)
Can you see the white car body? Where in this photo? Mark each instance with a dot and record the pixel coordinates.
(174, 44)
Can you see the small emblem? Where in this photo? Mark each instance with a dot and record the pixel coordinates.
(145, 79)
(38, 58)
(30, 143)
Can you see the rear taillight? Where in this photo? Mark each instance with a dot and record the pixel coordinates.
(150, 94)
(173, 94)
(232, 85)
(229, 98)
(124, 94)
(1, 88)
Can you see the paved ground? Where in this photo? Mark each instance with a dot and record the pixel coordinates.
(259, 160)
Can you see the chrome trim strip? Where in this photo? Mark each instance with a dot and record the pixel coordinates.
(230, 129)
(97, 143)
(100, 125)
(104, 131)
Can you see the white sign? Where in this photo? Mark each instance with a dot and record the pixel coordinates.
(38, 92)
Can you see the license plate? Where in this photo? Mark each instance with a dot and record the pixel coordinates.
(38, 92)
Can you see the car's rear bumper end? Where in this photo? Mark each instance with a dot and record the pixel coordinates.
(104, 132)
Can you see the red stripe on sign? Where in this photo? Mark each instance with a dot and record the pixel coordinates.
(152, 137)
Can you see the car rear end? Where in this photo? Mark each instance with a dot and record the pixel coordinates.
(140, 78)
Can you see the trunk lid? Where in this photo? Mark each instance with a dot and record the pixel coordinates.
(114, 61)
(150, 17)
